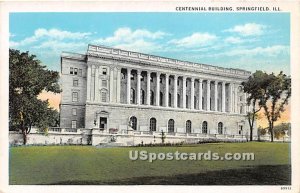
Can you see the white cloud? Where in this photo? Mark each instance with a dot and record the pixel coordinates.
(55, 34)
(195, 40)
(248, 29)
(270, 51)
(233, 40)
(127, 35)
(133, 40)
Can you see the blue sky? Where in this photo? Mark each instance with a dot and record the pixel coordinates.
(251, 41)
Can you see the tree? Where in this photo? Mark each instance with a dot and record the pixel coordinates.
(253, 87)
(276, 94)
(27, 79)
(269, 92)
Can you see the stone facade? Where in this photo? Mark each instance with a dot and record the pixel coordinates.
(110, 89)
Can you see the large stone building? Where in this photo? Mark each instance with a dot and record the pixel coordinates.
(110, 89)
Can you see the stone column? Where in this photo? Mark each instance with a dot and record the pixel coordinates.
(192, 92)
(148, 87)
(208, 96)
(236, 99)
(157, 88)
(184, 92)
(167, 91)
(138, 92)
(230, 97)
(216, 96)
(118, 85)
(200, 94)
(111, 85)
(223, 97)
(96, 90)
(175, 90)
(128, 84)
(89, 76)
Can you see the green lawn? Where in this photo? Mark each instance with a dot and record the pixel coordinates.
(91, 165)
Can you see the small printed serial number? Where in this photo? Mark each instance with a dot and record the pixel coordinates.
(286, 188)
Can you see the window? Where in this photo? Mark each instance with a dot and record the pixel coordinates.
(74, 112)
(178, 100)
(160, 80)
(75, 82)
(220, 128)
(104, 71)
(123, 76)
(151, 97)
(151, 78)
(152, 124)
(74, 124)
(169, 81)
(187, 101)
(75, 71)
(195, 102)
(80, 72)
(161, 95)
(188, 126)
(171, 125)
(178, 82)
(241, 98)
(204, 127)
(132, 96)
(103, 96)
(241, 109)
(75, 96)
(131, 76)
(104, 83)
(170, 99)
(142, 97)
(133, 122)
(71, 70)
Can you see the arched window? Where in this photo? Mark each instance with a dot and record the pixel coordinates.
(152, 124)
(142, 97)
(204, 127)
(188, 126)
(220, 128)
(132, 96)
(133, 122)
(151, 98)
(171, 125)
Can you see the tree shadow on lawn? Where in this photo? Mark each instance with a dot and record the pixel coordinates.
(258, 175)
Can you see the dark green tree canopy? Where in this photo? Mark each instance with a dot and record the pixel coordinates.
(27, 79)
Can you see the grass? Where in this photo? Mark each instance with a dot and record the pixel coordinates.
(91, 165)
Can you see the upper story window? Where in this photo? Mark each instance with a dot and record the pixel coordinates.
(71, 70)
(75, 71)
(104, 71)
(75, 96)
(104, 83)
(75, 82)
(74, 112)
(103, 96)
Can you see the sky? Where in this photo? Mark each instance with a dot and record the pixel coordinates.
(250, 41)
